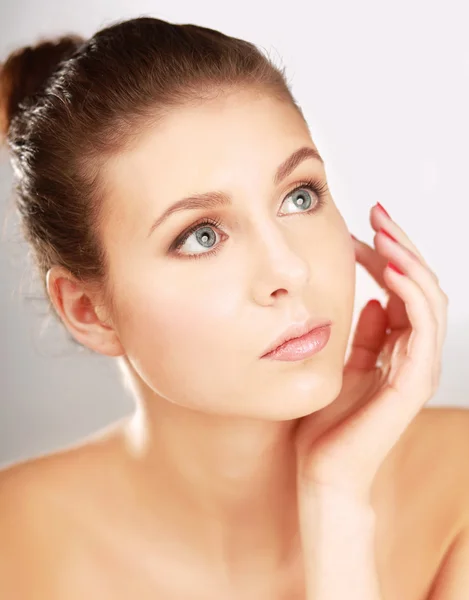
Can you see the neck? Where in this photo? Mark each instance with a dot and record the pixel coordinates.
(224, 486)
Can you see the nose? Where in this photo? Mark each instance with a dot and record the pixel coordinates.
(278, 268)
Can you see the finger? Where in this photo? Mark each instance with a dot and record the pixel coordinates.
(369, 337)
(414, 269)
(413, 380)
(369, 258)
(375, 263)
(375, 428)
(379, 219)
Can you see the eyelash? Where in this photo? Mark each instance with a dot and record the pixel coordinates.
(320, 189)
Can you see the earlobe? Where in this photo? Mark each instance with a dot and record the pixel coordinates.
(110, 344)
(110, 347)
(83, 313)
(100, 336)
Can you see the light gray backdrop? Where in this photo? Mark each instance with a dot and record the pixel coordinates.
(385, 89)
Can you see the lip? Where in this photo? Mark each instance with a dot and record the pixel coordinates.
(296, 331)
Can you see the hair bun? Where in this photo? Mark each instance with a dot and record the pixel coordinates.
(27, 69)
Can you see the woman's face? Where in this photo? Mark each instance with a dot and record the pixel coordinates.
(194, 327)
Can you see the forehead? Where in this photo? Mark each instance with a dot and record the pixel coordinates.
(234, 127)
(232, 141)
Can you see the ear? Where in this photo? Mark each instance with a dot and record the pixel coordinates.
(81, 313)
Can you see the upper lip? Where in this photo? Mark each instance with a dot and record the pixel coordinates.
(296, 330)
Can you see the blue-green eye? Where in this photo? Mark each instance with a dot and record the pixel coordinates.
(204, 229)
(302, 196)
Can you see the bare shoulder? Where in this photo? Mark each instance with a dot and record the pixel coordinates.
(26, 520)
(33, 486)
(422, 500)
(69, 469)
(432, 458)
(439, 435)
(42, 503)
(51, 481)
(439, 446)
(438, 422)
(48, 474)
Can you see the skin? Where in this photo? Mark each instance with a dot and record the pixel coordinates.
(214, 418)
(202, 477)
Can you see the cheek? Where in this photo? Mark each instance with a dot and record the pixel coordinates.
(344, 269)
(180, 343)
(334, 269)
(174, 324)
(344, 264)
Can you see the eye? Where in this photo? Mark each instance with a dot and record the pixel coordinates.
(302, 196)
(204, 242)
(204, 234)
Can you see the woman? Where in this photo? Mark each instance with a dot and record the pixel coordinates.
(163, 172)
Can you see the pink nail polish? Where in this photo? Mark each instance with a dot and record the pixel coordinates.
(386, 233)
(383, 209)
(394, 268)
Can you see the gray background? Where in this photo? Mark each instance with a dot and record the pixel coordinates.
(385, 89)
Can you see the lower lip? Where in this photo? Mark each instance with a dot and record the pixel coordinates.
(302, 347)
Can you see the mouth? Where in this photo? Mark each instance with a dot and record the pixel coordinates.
(300, 341)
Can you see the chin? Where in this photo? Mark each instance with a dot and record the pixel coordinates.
(300, 394)
(302, 406)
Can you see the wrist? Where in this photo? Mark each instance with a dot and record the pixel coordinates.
(331, 519)
(338, 536)
(319, 502)
(355, 510)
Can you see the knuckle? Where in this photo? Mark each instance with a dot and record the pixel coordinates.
(444, 298)
(434, 276)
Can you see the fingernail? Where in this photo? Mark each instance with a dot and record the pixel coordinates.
(383, 209)
(388, 234)
(394, 268)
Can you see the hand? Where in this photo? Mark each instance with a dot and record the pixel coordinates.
(392, 371)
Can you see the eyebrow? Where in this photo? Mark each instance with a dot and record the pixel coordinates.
(210, 200)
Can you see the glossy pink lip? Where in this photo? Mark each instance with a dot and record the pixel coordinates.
(297, 331)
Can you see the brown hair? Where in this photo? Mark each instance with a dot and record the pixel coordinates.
(66, 105)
